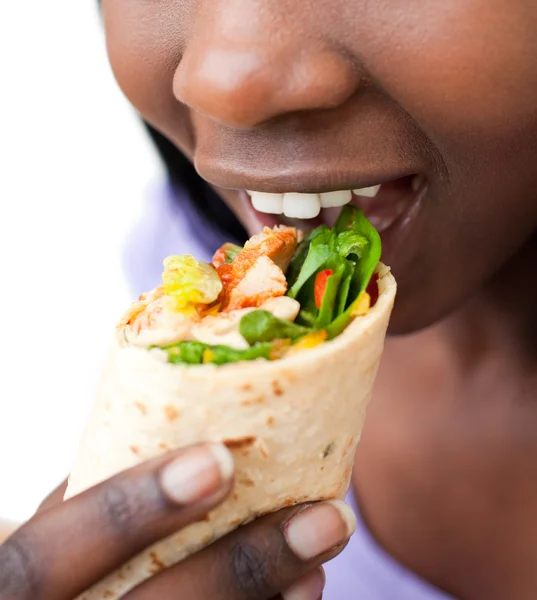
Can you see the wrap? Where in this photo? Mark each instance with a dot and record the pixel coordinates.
(292, 424)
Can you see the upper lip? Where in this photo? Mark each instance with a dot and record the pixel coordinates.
(299, 179)
(311, 153)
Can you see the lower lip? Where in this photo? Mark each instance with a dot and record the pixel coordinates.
(392, 236)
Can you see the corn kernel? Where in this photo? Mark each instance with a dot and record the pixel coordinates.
(311, 340)
(361, 306)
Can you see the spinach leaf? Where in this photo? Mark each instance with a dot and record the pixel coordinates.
(294, 268)
(263, 326)
(320, 250)
(326, 312)
(346, 219)
(352, 250)
(366, 265)
(344, 288)
(306, 317)
(190, 353)
(222, 355)
(196, 353)
(351, 243)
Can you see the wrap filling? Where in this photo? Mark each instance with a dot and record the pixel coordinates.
(280, 294)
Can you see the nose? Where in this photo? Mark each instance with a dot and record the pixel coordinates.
(244, 65)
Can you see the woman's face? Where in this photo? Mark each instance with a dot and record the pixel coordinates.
(436, 100)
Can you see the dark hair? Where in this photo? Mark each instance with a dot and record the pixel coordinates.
(181, 171)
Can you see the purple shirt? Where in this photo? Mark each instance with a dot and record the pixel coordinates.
(171, 225)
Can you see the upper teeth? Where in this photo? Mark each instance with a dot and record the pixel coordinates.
(305, 206)
(301, 206)
(329, 199)
(267, 203)
(368, 192)
(297, 205)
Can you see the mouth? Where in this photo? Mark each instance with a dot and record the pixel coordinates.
(387, 205)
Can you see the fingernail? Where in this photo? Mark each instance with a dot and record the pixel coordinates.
(309, 587)
(198, 473)
(320, 528)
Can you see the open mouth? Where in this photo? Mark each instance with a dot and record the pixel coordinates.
(384, 204)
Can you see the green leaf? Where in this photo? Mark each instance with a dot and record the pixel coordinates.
(307, 318)
(294, 268)
(320, 250)
(222, 355)
(339, 324)
(351, 243)
(326, 312)
(263, 326)
(306, 297)
(346, 218)
(231, 251)
(365, 267)
(190, 353)
(344, 288)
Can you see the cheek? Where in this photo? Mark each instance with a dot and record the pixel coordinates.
(465, 71)
(460, 66)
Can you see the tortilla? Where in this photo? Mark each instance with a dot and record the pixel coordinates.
(292, 424)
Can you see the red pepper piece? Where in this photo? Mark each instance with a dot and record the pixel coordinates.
(319, 287)
(373, 289)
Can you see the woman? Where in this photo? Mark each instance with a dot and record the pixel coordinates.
(437, 103)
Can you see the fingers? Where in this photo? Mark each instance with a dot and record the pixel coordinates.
(260, 560)
(66, 549)
(310, 587)
(6, 529)
(54, 497)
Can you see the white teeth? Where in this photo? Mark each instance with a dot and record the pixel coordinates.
(368, 192)
(331, 199)
(301, 206)
(271, 204)
(297, 205)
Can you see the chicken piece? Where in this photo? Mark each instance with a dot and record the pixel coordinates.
(225, 254)
(257, 272)
(255, 275)
(282, 307)
(263, 280)
(150, 322)
(223, 329)
(137, 309)
(278, 244)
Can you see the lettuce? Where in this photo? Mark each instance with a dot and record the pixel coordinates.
(350, 250)
(197, 353)
(262, 326)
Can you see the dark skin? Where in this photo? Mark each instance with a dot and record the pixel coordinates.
(316, 96)
(69, 546)
(445, 471)
(360, 90)
(371, 92)
(339, 94)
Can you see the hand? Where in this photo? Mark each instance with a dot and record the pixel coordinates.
(65, 549)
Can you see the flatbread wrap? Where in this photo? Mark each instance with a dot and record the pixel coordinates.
(272, 349)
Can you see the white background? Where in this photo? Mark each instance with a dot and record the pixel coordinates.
(74, 167)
